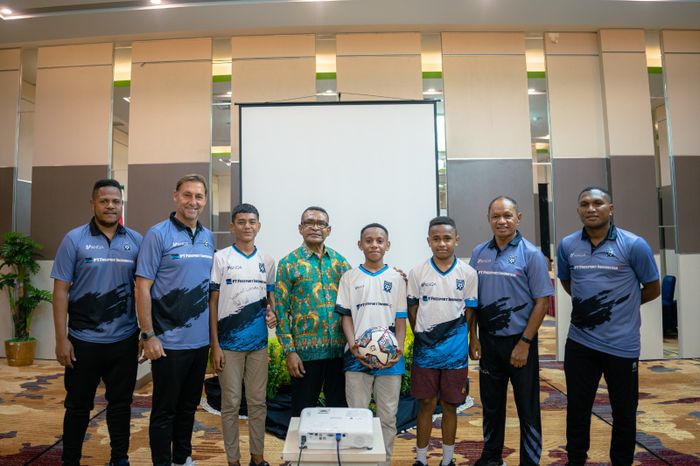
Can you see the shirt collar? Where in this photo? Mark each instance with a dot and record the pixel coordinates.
(612, 233)
(306, 252)
(514, 242)
(95, 231)
(181, 226)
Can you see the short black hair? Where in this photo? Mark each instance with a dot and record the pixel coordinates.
(244, 209)
(596, 188)
(106, 183)
(316, 208)
(503, 198)
(374, 225)
(442, 220)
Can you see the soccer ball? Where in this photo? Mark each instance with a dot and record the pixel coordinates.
(377, 345)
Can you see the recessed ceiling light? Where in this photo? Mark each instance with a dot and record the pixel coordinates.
(156, 2)
(6, 11)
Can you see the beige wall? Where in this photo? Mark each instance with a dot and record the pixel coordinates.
(9, 105)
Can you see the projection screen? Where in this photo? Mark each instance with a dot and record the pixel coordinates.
(363, 162)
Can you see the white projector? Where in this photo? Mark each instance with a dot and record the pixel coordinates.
(319, 427)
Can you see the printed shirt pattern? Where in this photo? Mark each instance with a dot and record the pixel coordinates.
(440, 334)
(509, 282)
(305, 293)
(605, 289)
(372, 300)
(243, 283)
(101, 273)
(179, 263)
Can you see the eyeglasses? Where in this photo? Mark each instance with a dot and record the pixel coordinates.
(316, 225)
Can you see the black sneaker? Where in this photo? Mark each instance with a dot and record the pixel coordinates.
(262, 463)
(483, 462)
(419, 463)
(451, 463)
(119, 462)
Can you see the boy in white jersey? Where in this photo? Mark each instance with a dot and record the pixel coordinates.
(240, 303)
(439, 291)
(373, 295)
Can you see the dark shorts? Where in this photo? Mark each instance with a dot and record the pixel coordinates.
(449, 384)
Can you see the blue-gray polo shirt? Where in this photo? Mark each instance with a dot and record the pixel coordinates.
(509, 282)
(101, 273)
(179, 263)
(605, 288)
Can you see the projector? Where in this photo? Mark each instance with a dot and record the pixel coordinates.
(319, 427)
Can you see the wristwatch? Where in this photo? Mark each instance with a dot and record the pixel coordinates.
(526, 339)
(146, 335)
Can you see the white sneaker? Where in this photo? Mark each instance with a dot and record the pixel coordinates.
(188, 462)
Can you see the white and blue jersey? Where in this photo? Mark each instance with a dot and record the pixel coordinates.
(372, 299)
(243, 283)
(178, 262)
(605, 289)
(509, 282)
(440, 333)
(101, 273)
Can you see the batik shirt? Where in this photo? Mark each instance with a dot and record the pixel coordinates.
(509, 282)
(305, 293)
(440, 333)
(243, 283)
(101, 273)
(372, 299)
(605, 289)
(179, 263)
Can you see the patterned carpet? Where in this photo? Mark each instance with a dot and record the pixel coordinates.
(31, 413)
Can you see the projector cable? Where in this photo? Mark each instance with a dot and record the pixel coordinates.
(337, 447)
(301, 448)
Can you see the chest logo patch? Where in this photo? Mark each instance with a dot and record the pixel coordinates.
(460, 284)
(609, 252)
(511, 259)
(127, 247)
(261, 266)
(387, 286)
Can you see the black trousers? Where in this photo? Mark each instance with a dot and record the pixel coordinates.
(326, 374)
(583, 367)
(177, 390)
(115, 364)
(495, 371)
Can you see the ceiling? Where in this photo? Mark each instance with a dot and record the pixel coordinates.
(64, 21)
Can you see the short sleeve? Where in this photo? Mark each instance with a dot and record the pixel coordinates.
(216, 272)
(562, 263)
(271, 272)
(342, 302)
(413, 292)
(64, 263)
(538, 276)
(471, 288)
(150, 255)
(642, 261)
(400, 299)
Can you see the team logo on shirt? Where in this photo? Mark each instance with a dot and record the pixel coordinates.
(511, 259)
(88, 247)
(610, 253)
(206, 243)
(127, 247)
(387, 286)
(261, 266)
(460, 284)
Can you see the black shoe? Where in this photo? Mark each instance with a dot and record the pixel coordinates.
(451, 463)
(262, 463)
(483, 462)
(119, 462)
(419, 463)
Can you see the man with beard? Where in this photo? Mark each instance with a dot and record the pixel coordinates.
(514, 287)
(609, 273)
(93, 290)
(172, 294)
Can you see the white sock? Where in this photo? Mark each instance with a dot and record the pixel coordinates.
(422, 455)
(447, 453)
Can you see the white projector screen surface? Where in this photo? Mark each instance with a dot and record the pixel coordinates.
(362, 162)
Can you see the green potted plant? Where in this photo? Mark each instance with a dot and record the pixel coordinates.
(17, 253)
